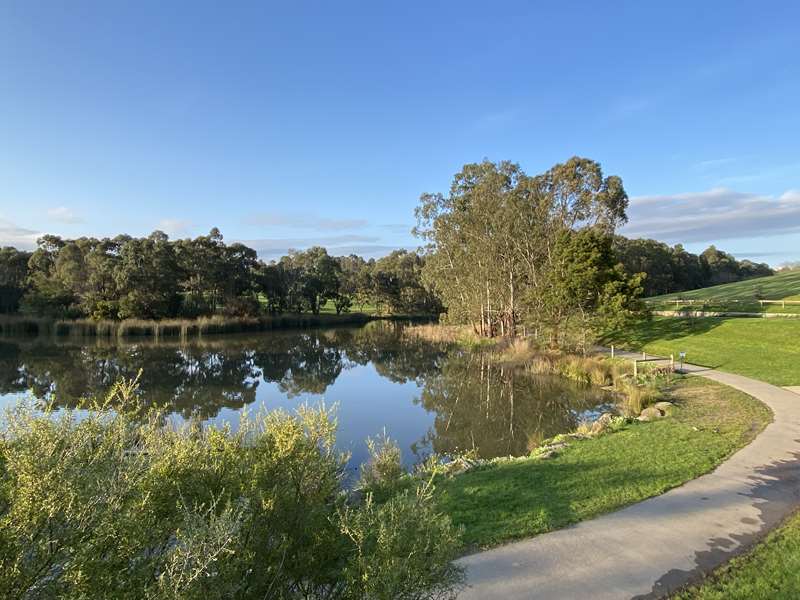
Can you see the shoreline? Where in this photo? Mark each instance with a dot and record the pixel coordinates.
(17, 327)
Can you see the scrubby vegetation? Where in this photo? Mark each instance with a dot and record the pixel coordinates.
(118, 504)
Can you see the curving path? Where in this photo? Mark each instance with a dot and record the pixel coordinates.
(658, 545)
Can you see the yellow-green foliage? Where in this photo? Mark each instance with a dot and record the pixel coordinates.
(638, 393)
(589, 370)
(443, 334)
(114, 504)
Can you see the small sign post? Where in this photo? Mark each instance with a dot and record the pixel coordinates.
(682, 355)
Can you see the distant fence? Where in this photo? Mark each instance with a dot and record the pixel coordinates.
(783, 303)
(721, 301)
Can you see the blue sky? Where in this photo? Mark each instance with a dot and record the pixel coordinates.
(294, 123)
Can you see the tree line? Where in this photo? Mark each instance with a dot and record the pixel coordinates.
(154, 277)
(673, 269)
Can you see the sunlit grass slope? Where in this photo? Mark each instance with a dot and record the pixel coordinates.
(766, 349)
(739, 296)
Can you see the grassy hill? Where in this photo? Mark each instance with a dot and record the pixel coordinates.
(766, 349)
(738, 296)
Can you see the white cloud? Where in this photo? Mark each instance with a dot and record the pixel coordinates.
(300, 221)
(719, 213)
(62, 214)
(18, 237)
(174, 227)
(336, 245)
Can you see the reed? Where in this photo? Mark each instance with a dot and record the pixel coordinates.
(442, 334)
(17, 325)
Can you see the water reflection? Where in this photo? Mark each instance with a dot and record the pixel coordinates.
(424, 395)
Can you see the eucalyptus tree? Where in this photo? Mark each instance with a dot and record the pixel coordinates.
(147, 275)
(493, 241)
(13, 278)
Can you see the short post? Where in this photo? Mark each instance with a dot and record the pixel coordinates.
(644, 355)
(612, 350)
(671, 362)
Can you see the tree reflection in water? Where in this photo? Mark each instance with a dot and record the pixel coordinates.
(474, 405)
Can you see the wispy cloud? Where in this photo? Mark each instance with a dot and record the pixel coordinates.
(719, 213)
(710, 165)
(62, 214)
(18, 237)
(301, 221)
(790, 169)
(336, 244)
(397, 227)
(175, 227)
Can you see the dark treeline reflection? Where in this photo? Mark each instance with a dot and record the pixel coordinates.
(494, 410)
(199, 378)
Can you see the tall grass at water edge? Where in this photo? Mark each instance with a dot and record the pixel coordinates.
(171, 328)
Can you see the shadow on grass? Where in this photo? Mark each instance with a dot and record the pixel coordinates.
(648, 331)
(515, 501)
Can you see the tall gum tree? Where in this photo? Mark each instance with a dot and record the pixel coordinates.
(492, 243)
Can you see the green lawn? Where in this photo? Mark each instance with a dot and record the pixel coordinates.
(767, 349)
(771, 571)
(518, 499)
(739, 296)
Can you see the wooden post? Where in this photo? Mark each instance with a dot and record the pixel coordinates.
(612, 350)
(671, 362)
(644, 355)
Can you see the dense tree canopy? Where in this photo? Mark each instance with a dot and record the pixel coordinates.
(155, 278)
(673, 269)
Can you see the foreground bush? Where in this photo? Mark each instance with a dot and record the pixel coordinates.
(110, 504)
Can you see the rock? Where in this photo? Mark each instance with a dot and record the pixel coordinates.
(549, 450)
(650, 413)
(664, 407)
(605, 418)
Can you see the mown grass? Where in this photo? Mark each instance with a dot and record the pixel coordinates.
(771, 570)
(740, 296)
(510, 500)
(766, 349)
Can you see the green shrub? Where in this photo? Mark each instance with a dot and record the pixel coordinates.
(383, 470)
(115, 504)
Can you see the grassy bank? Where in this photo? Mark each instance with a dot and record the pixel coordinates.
(506, 501)
(764, 349)
(740, 296)
(173, 328)
(770, 571)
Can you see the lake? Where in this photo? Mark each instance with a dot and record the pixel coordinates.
(427, 397)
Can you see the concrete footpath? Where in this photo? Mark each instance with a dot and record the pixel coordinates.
(658, 545)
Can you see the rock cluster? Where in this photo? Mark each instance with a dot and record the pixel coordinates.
(658, 410)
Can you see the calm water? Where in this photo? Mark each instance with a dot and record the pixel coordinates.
(426, 397)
